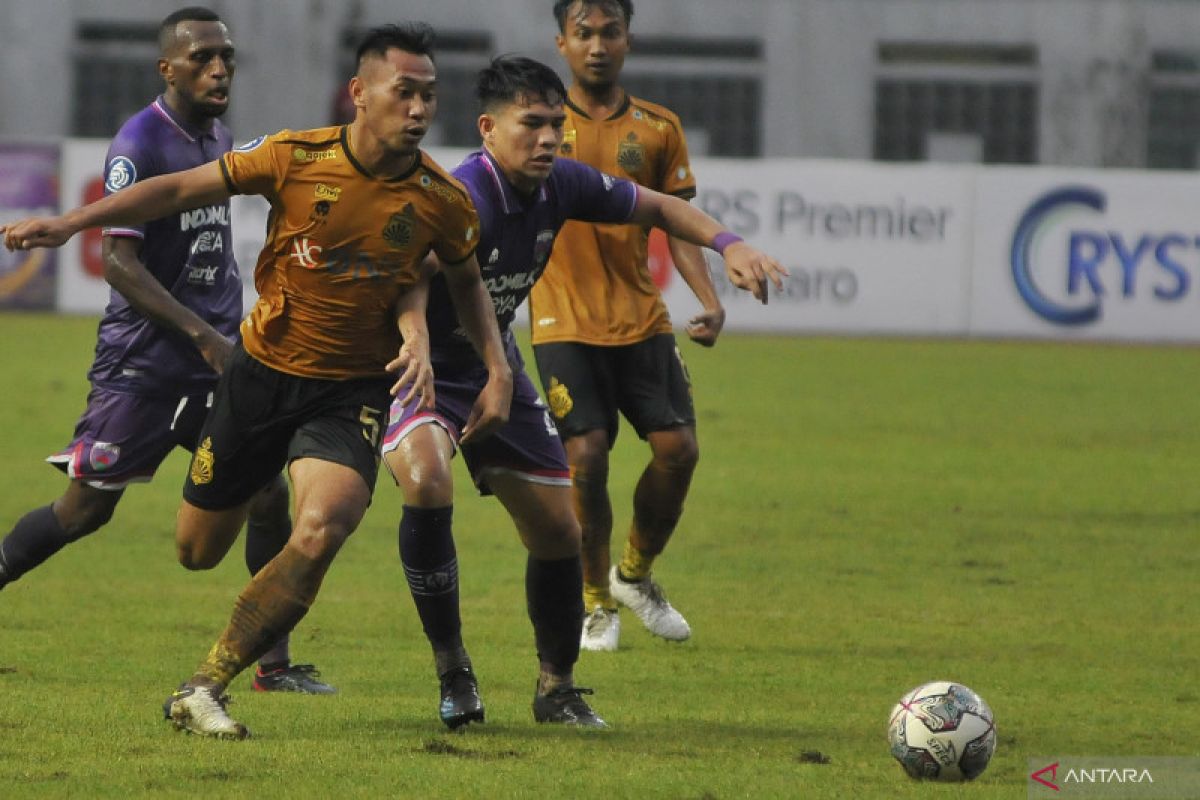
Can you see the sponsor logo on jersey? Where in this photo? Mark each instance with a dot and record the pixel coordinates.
(560, 399)
(541, 248)
(207, 242)
(399, 228)
(326, 192)
(202, 463)
(631, 154)
(121, 173)
(209, 215)
(104, 455)
(250, 145)
(302, 156)
(440, 189)
(306, 252)
(201, 275)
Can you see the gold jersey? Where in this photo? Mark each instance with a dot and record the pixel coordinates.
(597, 288)
(341, 247)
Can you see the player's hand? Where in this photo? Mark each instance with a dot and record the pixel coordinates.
(705, 327)
(416, 373)
(491, 408)
(26, 234)
(749, 268)
(215, 349)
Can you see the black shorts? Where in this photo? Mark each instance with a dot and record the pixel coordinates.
(587, 385)
(262, 419)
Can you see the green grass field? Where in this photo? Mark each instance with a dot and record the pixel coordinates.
(868, 515)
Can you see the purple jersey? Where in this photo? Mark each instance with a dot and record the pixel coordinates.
(515, 238)
(190, 253)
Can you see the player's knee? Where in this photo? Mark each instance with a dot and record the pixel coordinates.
(194, 557)
(86, 518)
(678, 453)
(319, 534)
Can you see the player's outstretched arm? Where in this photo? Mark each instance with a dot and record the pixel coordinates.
(413, 363)
(746, 267)
(705, 327)
(124, 271)
(145, 200)
(477, 315)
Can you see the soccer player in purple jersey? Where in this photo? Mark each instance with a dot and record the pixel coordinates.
(173, 314)
(523, 195)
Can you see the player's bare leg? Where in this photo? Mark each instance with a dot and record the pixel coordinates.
(588, 456)
(330, 502)
(268, 528)
(41, 533)
(657, 507)
(550, 532)
(421, 466)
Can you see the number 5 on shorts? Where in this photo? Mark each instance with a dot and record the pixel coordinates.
(369, 417)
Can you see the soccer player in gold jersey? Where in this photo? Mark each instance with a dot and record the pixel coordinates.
(355, 212)
(601, 334)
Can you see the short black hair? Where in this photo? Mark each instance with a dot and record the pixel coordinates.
(166, 31)
(561, 7)
(411, 37)
(513, 79)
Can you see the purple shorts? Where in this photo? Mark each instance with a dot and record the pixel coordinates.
(527, 446)
(122, 438)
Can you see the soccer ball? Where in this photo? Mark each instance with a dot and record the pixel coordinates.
(943, 731)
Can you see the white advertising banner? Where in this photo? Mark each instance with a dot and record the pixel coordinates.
(871, 248)
(1086, 254)
(81, 286)
(876, 248)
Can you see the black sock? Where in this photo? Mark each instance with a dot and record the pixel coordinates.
(431, 567)
(264, 539)
(35, 538)
(554, 594)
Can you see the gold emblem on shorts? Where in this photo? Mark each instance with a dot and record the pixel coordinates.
(560, 399)
(202, 463)
(631, 154)
(399, 229)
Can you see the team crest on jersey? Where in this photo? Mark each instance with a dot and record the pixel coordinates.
(560, 399)
(103, 455)
(568, 142)
(399, 228)
(121, 173)
(320, 212)
(202, 463)
(631, 154)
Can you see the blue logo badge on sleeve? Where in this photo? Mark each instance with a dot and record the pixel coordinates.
(121, 173)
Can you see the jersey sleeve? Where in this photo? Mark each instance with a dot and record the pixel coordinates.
(257, 167)
(128, 161)
(676, 177)
(457, 235)
(594, 196)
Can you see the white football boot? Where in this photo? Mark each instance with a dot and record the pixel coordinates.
(201, 710)
(601, 630)
(646, 599)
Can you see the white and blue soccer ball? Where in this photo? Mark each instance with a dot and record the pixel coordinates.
(942, 731)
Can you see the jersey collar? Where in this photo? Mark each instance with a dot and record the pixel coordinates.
(510, 201)
(185, 128)
(626, 101)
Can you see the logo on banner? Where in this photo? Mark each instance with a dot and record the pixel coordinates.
(121, 173)
(1096, 263)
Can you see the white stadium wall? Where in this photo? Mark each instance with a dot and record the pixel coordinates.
(913, 250)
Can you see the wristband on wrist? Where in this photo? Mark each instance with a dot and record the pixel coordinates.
(723, 240)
